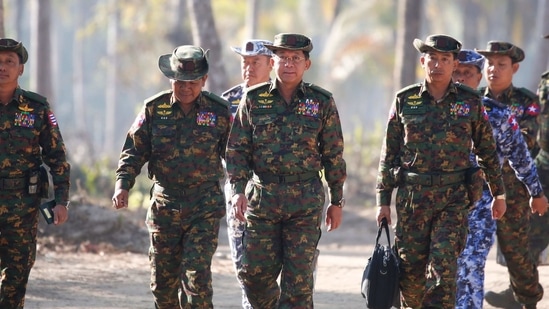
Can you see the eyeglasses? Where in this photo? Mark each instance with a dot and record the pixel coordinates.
(292, 59)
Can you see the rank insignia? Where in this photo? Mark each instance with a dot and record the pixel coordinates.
(460, 109)
(208, 119)
(24, 119)
(414, 103)
(265, 94)
(164, 112)
(308, 108)
(164, 105)
(414, 97)
(25, 108)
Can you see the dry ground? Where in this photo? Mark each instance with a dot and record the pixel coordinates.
(101, 263)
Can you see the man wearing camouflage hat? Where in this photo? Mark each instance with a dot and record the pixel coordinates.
(182, 134)
(285, 132)
(255, 67)
(482, 227)
(425, 155)
(512, 230)
(30, 137)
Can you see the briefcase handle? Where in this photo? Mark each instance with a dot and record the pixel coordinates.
(384, 225)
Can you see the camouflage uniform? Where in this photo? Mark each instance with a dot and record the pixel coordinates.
(510, 146)
(426, 154)
(184, 153)
(29, 135)
(513, 228)
(539, 226)
(285, 145)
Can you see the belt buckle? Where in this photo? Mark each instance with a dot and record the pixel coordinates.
(436, 179)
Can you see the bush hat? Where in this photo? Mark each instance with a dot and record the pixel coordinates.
(438, 42)
(186, 63)
(469, 56)
(253, 48)
(291, 41)
(503, 48)
(16, 47)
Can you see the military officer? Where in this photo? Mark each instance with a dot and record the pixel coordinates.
(431, 130)
(29, 136)
(284, 133)
(182, 134)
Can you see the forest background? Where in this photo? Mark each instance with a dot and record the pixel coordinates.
(97, 60)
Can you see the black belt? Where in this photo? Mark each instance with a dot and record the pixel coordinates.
(13, 183)
(183, 191)
(272, 178)
(434, 179)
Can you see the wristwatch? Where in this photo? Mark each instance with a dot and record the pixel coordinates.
(500, 197)
(339, 203)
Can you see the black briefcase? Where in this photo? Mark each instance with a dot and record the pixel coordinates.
(380, 278)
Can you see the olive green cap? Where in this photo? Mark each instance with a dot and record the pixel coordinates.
(186, 63)
(291, 41)
(16, 47)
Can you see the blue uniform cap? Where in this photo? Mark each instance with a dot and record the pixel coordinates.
(469, 56)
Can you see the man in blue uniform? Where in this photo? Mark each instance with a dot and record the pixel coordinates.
(255, 67)
(482, 227)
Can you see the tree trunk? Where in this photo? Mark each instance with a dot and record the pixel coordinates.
(205, 35)
(2, 29)
(40, 49)
(408, 20)
(251, 19)
(110, 93)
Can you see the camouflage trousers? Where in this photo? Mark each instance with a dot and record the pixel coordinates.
(513, 240)
(471, 262)
(18, 228)
(281, 236)
(539, 225)
(183, 235)
(235, 230)
(429, 236)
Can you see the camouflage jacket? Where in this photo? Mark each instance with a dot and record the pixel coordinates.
(425, 136)
(511, 145)
(30, 135)
(543, 118)
(271, 136)
(182, 150)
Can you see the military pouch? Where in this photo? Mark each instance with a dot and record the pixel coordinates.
(34, 177)
(474, 179)
(47, 211)
(398, 176)
(44, 182)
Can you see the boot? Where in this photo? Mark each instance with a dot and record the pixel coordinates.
(503, 299)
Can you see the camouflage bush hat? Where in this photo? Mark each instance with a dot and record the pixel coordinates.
(253, 48)
(503, 48)
(469, 56)
(186, 63)
(291, 41)
(438, 42)
(16, 47)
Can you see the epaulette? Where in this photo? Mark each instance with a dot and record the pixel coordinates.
(156, 96)
(319, 89)
(545, 75)
(216, 99)
(230, 90)
(468, 89)
(407, 88)
(527, 92)
(34, 97)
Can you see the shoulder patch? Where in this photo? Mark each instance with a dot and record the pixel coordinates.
(156, 96)
(408, 88)
(527, 92)
(319, 89)
(468, 89)
(35, 97)
(217, 99)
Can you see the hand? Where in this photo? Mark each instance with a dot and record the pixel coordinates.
(240, 204)
(383, 212)
(60, 214)
(539, 205)
(334, 216)
(499, 206)
(120, 199)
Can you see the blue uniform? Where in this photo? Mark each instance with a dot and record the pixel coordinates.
(235, 227)
(511, 146)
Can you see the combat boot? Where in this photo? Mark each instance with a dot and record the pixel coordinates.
(503, 299)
